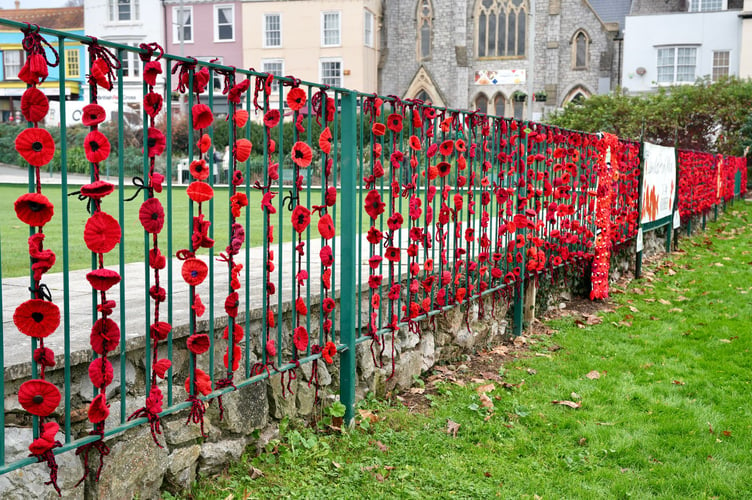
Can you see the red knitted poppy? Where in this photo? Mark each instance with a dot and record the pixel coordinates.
(194, 271)
(34, 105)
(101, 233)
(38, 397)
(394, 122)
(296, 98)
(301, 154)
(204, 143)
(300, 338)
(161, 367)
(36, 146)
(101, 372)
(325, 141)
(102, 279)
(240, 118)
(301, 217)
(231, 304)
(159, 330)
(202, 116)
(97, 189)
(155, 142)
(326, 227)
(202, 380)
(243, 148)
(97, 147)
(152, 104)
(99, 410)
(199, 192)
(198, 343)
(151, 214)
(37, 318)
(34, 209)
(92, 114)
(152, 69)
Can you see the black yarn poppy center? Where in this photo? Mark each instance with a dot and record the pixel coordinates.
(35, 207)
(37, 316)
(154, 216)
(94, 145)
(37, 146)
(38, 399)
(93, 116)
(299, 154)
(151, 142)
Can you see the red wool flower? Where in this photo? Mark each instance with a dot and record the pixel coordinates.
(152, 104)
(103, 279)
(38, 397)
(325, 141)
(155, 142)
(34, 209)
(374, 236)
(301, 217)
(44, 356)
(198, 343)
(37, 318)
(326, 278)
(151, 214)
(194, 271)
(232, 302)
(328, 305)
(99, 410)
(100, 72)
(202, 381)
(97, 146)
(199, 192)
(34, 105)
(199, 170)
(271, 118)
(326, 227)
(97, 189)
(237, 354)
(204, 143)
(301, 154)
(101, 233)
(378, 129)
(161, 367)
(36, 146)
(243, 148)
(198, 306)
(93, 114)
(240, 118)
(101, 372)
(202, 116)
(394, 122)
(415, 144)
(152, 69)
(392, 254)
(446, 148)
(296, 98)
(328, 352)
(300, 338)
(326, 256)
(373, 204)
(160, 330)
(34, 70)
(155, 399)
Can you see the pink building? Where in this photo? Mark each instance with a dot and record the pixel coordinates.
(206, 31)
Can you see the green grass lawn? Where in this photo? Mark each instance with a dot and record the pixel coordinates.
(668, 415)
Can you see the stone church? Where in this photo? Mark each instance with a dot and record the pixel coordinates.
(476, 54)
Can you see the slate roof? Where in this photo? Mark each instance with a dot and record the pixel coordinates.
(612, 11)
(65, 18)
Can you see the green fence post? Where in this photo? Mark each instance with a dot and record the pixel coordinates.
(348, 241)
(519, 301)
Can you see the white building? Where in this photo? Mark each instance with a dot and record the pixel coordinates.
(128, 22)
(677, 47)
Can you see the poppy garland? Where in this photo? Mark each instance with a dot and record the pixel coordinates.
(38, 317)
(152, 217)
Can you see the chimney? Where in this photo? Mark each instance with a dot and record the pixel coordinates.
(18, 4)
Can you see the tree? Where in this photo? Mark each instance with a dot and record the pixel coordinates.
(706, 116)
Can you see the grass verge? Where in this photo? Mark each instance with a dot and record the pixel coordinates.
(653, 395)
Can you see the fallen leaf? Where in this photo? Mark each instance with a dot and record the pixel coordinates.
(452, 428)
(519, 341)
(725, 341)
(336, 465)
(583, 441)
(368, 415)
(485, 388)
(570, 404)
(592, 319)
(677, 382)
(486, 402)
(664, 302)
(533, 371)
(625, 323)
(487, 474)
(718, 264)
(255, 473)
(710, 428)
(727, 433)
(634, 309)
(500, 350)
(417, 390)
(381, 446)
(670, 272)
(681, 298)
(379, 477)
(594, 374)
(675, 310)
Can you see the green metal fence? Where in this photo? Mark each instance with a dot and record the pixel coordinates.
(432, 209)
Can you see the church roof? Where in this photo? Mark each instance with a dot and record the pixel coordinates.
(612, 11)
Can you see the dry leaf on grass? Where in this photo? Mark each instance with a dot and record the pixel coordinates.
(255, 473)
(486, 402)
(485, 388)
(594, 374)
(570, 404)
(452, 428)
(675, 310)
(665, 302)
(368, 415)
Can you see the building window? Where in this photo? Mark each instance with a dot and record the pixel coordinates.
(676, 64)
(706, 5)
(277, 68)
(218, 80)
(425, 27)
(720, 64)
(72, 63)
(272, 30)
(501, 28)
(130, 64)
(423, 97)
(580, 45)
(500, 105)
(123, 10)
(12, 62)
(182, 22)
(330, 71)
(330, 29)
(481, 103)
(224, 23)
(368, 28)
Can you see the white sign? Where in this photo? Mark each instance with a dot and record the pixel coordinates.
(677, 220)
(639, 241)
(500, 77)
(658, 182)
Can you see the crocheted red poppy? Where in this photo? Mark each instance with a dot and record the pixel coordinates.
(326, 278)
(97, 146)
(36, 146)
(34, 105)
(378, 129)
(46, 441)
(97, 189)
(156, 259)
(37, 318)
(199, 170)
(99, 71)
(194, 271)
(99, 410)
(232, 303)
(415, 144)
(161, 367)
(204, 143)
(105, 335)
(243, 148)
(38, 397)
(199, 192)
(34, 70)
(328, 305)
(236, 355)
(240, 118)
(152, 69)
(301, 217)
(296, 98)
(202, 116)
(374, 205)
(44, 356)
(326, 227)
(159, 330)
(300, 338)
(202, 380)
(34, 209)
(102, 279)
(326, 256)
(151, 214)
(460, 146)
(394, 122)
(154, 401)
(93, 114)
(271, 118)
(301, 154)
(328, 352)
(155, 142)
(325, 141)
(392, 254)
(101, 372)
(101, 233)
(198, 343)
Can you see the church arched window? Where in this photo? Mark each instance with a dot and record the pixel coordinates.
(501, 28)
